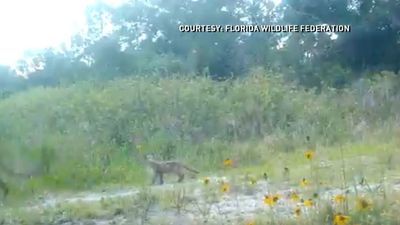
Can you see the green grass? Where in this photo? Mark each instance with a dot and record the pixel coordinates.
(87, 134)
(367, 158)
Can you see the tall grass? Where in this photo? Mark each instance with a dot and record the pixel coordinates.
(89, 134)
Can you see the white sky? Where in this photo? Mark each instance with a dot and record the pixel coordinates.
(36, 24)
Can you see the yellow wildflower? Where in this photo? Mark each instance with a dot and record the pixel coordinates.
(294, 197)
(297, 211)
(363, 204)
(268, 200)
(276, 197)
(271, 200)
(309, 154)
(228, 162)
(304, 182)
(339, 198)
(225, 187)
(309, 203)
(341, 219)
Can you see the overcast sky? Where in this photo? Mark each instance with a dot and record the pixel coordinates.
(36, 24)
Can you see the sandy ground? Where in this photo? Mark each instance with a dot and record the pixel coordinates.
(241, 203)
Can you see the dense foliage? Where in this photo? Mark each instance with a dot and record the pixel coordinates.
(145, 40)
(90, 133)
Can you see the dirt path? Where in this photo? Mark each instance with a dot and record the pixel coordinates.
(241, 203)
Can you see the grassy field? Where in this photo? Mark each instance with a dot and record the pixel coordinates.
(93, 135)
(358, 166)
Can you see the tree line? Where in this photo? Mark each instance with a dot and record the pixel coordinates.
(145, 41)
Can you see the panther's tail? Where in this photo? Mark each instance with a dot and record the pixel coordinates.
(190, 169)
